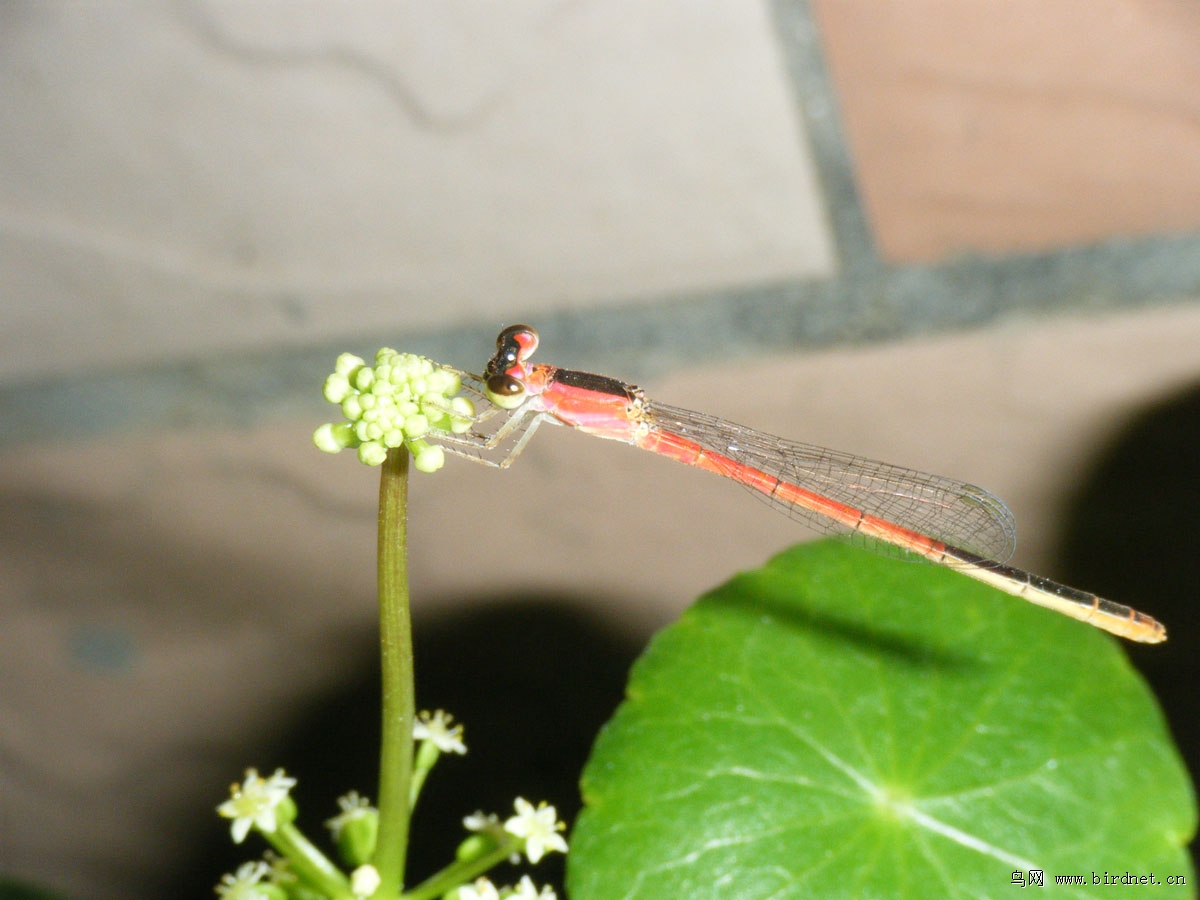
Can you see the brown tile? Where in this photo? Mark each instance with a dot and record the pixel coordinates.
(1018, 125)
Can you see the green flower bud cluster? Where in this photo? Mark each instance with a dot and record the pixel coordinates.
(398, 401)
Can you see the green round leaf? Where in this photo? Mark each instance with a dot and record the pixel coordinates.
(842, 725)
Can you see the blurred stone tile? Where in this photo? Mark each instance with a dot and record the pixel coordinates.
(184, 178)
(1018, 125)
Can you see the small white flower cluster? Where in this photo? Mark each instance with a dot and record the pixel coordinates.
(483, 889)
(247, 883)
(436, 728)
(537, 825)
(265, 805)
(244, 884)
(255, 802)
(395, 402)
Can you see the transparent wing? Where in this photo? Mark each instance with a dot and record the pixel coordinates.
(496, 435)
(956, 513)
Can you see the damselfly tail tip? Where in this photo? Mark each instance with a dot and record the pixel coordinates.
(1157, 633)
(1139, 627)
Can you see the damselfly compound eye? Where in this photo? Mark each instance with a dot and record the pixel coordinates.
(519, 341)
(505, 391)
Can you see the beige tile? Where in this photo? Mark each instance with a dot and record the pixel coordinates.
(181, 179)
(1018, 125)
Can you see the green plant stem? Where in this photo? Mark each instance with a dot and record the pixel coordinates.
(464, 870)
(395, 634)
(308, 863)
(427, 755)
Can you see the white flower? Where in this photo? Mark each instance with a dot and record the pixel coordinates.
(353, 807)
(254, 801)
(437, 728)
(281, 868)
(364, 880)
(539, 827)
(478, 821)
(482, 889)
(526, 890)
(244, 884)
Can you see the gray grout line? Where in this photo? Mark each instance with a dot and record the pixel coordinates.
(820, 110)
(867, 306)
(633, 342)
(864, 301)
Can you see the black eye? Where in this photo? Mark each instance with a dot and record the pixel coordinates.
(504, 386)
(506, 336)
(516, 342)
(514, 345)
(505, 391)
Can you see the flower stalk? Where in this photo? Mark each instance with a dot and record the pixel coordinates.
(396, 656)
(309, 864)
(395, 407)
(464, 870)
